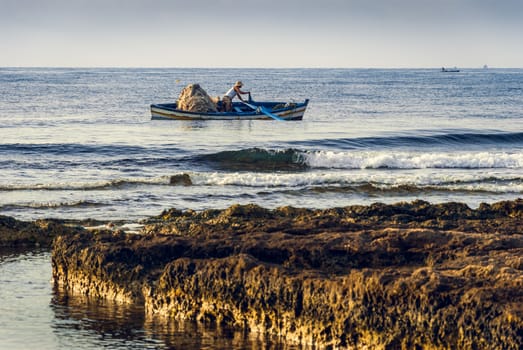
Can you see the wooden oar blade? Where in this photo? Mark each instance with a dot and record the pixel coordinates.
(264, 111)
(272, 115)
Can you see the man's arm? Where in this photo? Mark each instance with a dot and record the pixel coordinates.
(239, 92)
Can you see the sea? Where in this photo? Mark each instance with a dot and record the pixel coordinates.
(79, 143)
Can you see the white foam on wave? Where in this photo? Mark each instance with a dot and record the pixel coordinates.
(412, 160)
(500, 182)
(84, 185)
(264, 179)
(487, 179)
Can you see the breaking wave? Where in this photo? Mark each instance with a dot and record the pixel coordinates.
(362, 182)
(335, 179)
(255, 159)
(263, 160)
(413, 160)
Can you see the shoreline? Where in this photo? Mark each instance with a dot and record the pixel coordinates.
(402, 275)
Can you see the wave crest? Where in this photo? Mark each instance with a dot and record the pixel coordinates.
(255, 159)
(266, 160)
(412, 160)
(87, 186)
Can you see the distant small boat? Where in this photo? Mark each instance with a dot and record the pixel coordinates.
(240, 111)
(450, 70)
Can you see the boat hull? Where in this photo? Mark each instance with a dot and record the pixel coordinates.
(294, 111)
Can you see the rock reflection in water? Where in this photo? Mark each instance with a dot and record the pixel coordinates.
(85, 321)
(82, 322)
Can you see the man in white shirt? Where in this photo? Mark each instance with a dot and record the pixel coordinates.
(234, 91)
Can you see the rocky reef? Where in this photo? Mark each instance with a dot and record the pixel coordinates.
(409, 275)
(17, 234)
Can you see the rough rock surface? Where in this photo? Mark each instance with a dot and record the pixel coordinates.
(410, 275)
(14, 233)
(193, 98)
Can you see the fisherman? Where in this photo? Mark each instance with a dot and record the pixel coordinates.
(234, 91)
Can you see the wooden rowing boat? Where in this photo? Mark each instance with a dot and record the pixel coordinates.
(241, 111)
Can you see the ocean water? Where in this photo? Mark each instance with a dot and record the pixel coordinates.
(79, 143)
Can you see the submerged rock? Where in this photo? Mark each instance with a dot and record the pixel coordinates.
(180, 179)
(410, 275)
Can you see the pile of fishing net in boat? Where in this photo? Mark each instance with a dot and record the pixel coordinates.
(194, 99)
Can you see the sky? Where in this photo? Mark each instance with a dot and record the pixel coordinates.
(263, 33)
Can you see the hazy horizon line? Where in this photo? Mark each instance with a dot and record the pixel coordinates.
(255, 67)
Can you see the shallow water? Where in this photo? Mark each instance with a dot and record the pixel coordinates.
(79, 143)
(35, 315)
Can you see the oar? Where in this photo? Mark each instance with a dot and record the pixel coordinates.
(264, 111)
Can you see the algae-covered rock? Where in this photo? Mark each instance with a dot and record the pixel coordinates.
(15, 233)
(382, 276)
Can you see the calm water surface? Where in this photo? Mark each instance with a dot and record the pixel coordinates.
(79, 143)
(36, 316)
